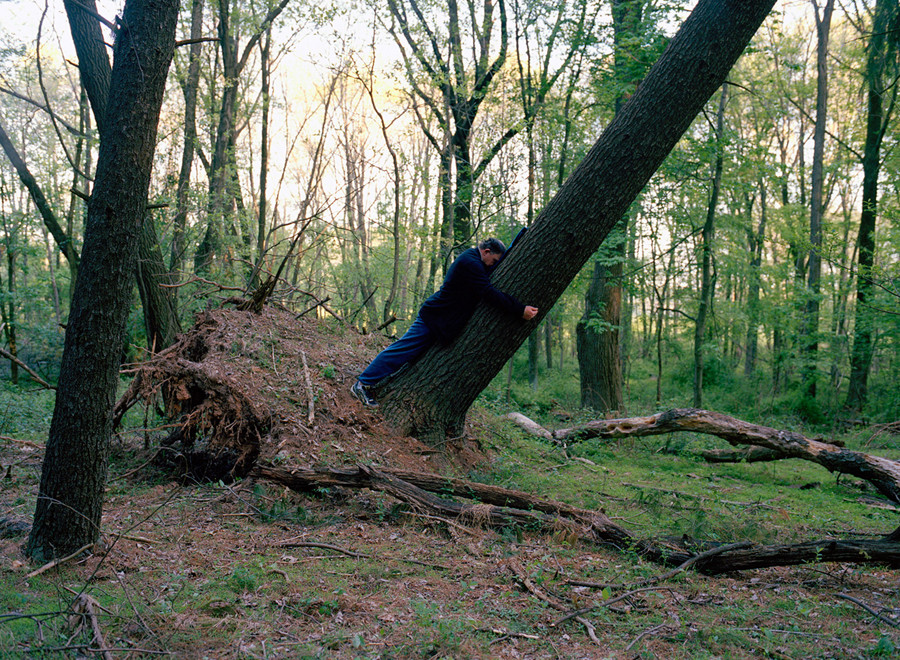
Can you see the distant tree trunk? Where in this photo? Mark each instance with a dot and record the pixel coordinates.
(600, 368)
(265, 65)
(810, 337)
(755, 246)
(598, 361)
(189, 88)
(160, 316)
(73, 478)
(63, 242)
(431, 397)
(707, 281)
(224, 190)
(882, 49)
(8, 311)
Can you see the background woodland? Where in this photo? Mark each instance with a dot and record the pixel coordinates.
(353, 150)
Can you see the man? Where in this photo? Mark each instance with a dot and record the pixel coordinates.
(443, 316)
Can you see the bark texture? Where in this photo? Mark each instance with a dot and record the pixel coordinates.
(70, 499)
(431, 398)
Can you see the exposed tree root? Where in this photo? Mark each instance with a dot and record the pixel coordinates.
(500, 507)
(883, 473)
(209, 402)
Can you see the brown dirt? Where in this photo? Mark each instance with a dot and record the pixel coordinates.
(238, 379)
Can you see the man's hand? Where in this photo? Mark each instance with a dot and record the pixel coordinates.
(529, 313)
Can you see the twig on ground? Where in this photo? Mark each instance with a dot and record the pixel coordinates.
(605, 603)
(699, 557)
(356, 555)
(505, 634)
(646, 633)
(121, 578)
(25, 443)
(520, 574)
(446, 521)
(324, 546)
(869, 609)
(57, 562)
(84, 606)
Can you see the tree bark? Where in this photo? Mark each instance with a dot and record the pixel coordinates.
(96, 73)
(431, 398)
(70, 499)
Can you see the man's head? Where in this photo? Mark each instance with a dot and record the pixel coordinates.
(491, 250)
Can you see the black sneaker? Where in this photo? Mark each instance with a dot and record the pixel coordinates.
(359, 391)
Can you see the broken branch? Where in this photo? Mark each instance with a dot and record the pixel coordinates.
(883, 473)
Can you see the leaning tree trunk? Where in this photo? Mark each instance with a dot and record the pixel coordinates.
(431, 398)
(160, 315)
(70, 499)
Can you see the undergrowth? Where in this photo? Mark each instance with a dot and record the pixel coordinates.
(251, 570)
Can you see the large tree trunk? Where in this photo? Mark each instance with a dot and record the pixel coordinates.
(432, 397)
(96, 74)
(70, 499)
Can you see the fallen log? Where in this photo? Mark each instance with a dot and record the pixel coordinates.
(883, 473)
(501, 507)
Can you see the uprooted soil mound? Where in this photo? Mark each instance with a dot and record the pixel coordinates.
(240, 387)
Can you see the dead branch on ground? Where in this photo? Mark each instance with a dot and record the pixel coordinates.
(883, 473)
(500, 507)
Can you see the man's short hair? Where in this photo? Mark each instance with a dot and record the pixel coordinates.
(495, 245)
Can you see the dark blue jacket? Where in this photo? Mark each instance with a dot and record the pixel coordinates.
(468, 281)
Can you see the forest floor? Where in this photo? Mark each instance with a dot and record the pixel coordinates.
(248, 569)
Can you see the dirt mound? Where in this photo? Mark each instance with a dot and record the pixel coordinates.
(241, 387)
